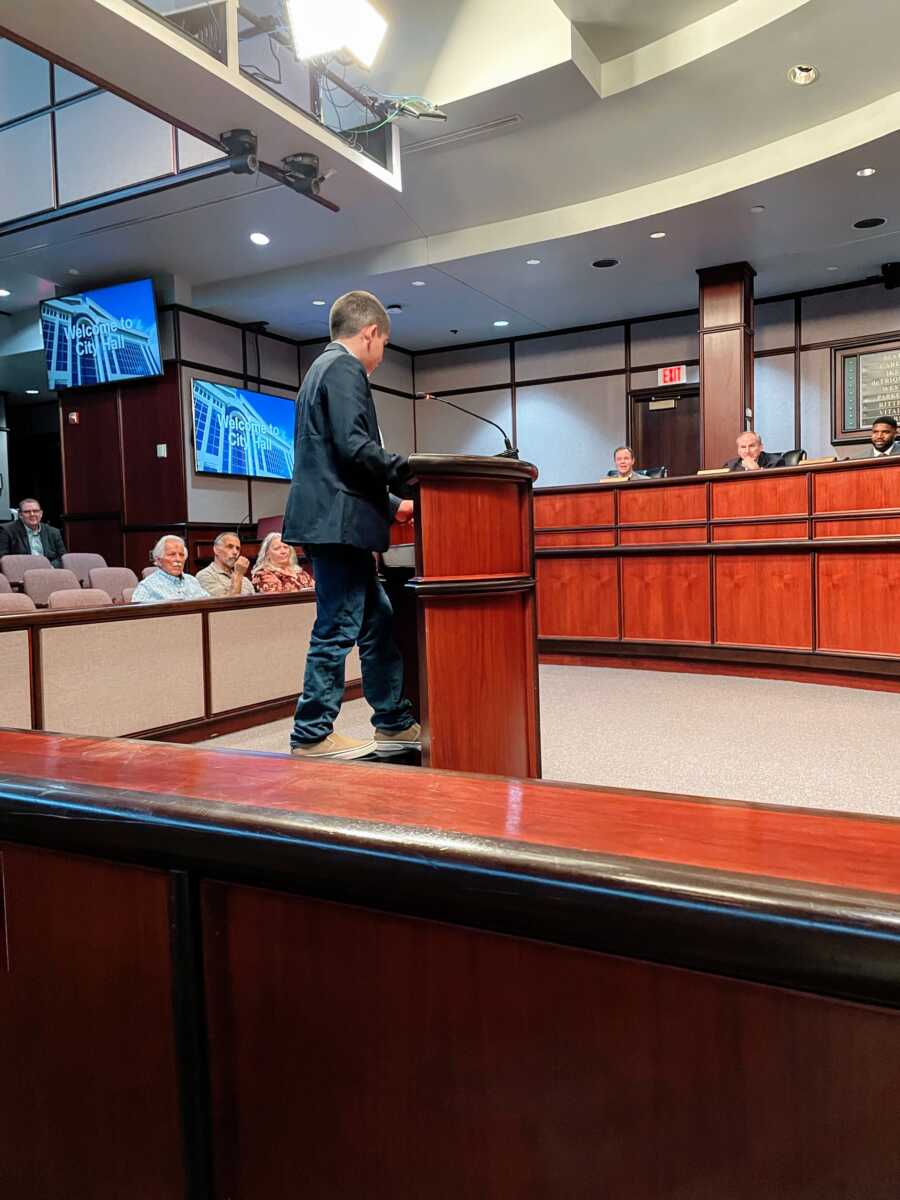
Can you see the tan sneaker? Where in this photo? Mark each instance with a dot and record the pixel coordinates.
(387, 743)
(335, 746)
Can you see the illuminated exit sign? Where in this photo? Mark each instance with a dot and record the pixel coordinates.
(672, 375)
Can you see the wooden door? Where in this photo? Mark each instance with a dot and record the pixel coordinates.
(666, 430)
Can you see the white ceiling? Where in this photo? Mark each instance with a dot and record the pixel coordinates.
(581, 177)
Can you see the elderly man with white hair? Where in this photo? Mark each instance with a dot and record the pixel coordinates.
(168, 581)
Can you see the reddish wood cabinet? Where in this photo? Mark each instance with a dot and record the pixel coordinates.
(801, 562)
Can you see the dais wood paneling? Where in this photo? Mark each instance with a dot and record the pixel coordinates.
(574, 508)
(586, 537)
(774, 495)
(662, 535)
(647, 504)
(762, 531)
(764, 600)
(853, 527)
(856, 488)
(857, 602)
(578, 597)
(666, 599)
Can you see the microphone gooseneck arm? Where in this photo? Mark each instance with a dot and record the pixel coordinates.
(509, 452)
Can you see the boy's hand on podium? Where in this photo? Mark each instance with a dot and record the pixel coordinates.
(405, 512)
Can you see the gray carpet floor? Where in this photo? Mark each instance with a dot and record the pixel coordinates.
(708, 735)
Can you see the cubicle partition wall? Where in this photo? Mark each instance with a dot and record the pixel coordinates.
(796, 569)
(180, 671)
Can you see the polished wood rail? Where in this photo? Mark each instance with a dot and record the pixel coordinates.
(794, 568)
(237, 975)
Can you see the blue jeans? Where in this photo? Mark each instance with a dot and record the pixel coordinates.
(352, 608)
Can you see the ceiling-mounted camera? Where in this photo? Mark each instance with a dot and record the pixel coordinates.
(301, 172)
(240, 145)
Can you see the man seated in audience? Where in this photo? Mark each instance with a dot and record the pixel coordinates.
(168, 581)
(624, 460)
(751, 456)
(226, 575)
(277, 569)
(29, 535)
(884, 438)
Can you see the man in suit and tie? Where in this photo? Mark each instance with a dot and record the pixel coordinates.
(340, 509)
(29, 535)
(751, 456)
(884, 438)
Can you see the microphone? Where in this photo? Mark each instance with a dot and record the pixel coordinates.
(510, 452)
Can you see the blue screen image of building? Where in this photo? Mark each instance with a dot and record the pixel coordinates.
(88, 342)
(237, 432)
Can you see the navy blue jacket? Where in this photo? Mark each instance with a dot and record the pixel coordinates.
(342, 475)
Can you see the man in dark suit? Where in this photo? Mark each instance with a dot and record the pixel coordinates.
(751, 456)
(340, 508)
(28, 535)
(884, 438)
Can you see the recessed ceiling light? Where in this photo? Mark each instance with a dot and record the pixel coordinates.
(32, 391)
(659, 234)
(259, 239)
(319, 303)
(757, 208)
(803, 74)
(74, 271)
(4, 292)
(532, 262)
(394, 308)
(865, 172)
(602, 263)
(418, 283)
(832, 268)
(501, 324)
(869, 223)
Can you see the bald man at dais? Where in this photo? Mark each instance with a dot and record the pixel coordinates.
(751, 456)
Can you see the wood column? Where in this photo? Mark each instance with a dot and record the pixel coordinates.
(726, 359)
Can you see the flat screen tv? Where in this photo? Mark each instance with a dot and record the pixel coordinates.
(104, 336)
(241, 433)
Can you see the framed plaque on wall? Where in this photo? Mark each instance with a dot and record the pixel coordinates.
(866, 386)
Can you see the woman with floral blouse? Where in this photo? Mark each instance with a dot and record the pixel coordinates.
(277, 569)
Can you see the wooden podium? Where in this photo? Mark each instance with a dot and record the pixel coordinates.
(476, 614)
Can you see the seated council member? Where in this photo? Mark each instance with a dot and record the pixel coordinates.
(226, 575)
(624, 469)
(277, 569)
(168, 581)
(884, 438)
(751, 456)
(28, 535)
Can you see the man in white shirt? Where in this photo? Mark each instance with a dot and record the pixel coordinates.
(168, 581)
(884, 438)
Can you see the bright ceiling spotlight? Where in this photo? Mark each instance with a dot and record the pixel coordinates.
(322, 27)
(4, 292)
(259, 239)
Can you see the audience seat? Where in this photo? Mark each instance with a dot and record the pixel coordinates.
(14, 566)
(5, 587)
(79, 598)
(82, 565)
(11, 602)
(147, 571)
(267, 525)
(127, 594)
(793, 457)
(41, 584)
(113, 580)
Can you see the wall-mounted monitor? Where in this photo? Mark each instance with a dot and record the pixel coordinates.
(242, 433)
(104, 336)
